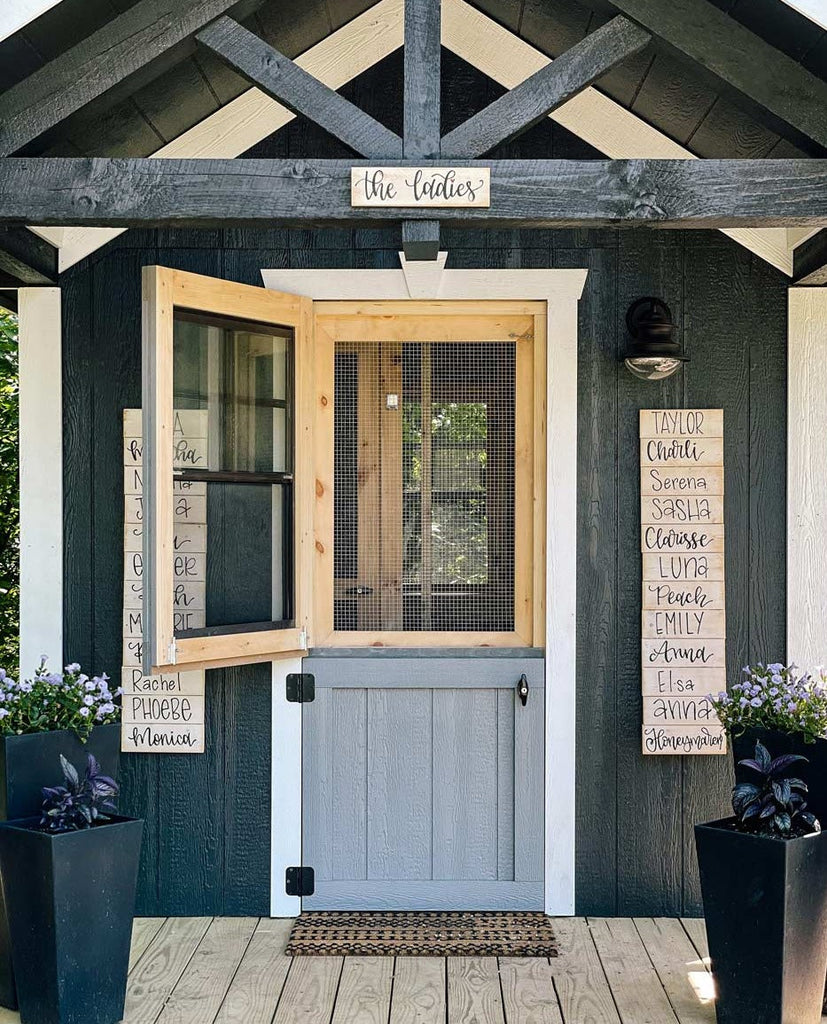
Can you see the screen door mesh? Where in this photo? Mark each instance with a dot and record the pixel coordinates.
(424, 486)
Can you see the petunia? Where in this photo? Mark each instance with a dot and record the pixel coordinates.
(89, 700)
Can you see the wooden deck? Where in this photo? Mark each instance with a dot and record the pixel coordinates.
(234, 971)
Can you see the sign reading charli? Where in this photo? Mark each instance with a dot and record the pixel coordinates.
(684, 615)
(164, 714)
(459, 187)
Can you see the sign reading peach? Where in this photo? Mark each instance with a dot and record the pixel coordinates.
(683, 608)
(460, 187)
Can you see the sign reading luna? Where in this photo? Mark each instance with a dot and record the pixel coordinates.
(684, 614)
(460, 187)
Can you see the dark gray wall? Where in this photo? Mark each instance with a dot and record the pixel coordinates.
(207, 839)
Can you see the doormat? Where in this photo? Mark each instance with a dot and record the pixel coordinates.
(422, 933)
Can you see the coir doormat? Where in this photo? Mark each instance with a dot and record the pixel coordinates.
(425, 933)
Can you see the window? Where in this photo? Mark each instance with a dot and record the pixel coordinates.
(224, 410)
(430, 448)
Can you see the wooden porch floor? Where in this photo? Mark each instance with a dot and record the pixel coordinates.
(234, 971)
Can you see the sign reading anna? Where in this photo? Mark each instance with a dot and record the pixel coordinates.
(460, 187)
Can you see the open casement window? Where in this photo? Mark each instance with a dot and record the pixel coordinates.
(227, 506)
(430, 467)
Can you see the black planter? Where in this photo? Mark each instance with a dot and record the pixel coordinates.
(70, 900)
(814, 773)
(765, 905)
(27, 764)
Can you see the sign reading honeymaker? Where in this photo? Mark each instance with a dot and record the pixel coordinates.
(684, 615)
(460, 187)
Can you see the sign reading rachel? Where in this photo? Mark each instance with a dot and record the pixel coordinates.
(684, 615)
(461, 187)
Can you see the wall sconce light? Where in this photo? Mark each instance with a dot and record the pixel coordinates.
(654, 353)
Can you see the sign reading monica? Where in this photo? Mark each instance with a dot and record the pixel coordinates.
(459, 187)
(164, 714)
(683, 605)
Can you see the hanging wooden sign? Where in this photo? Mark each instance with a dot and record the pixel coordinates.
(164, 714)
(683, 607)
(420, 186)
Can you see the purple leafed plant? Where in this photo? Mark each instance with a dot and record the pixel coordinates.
(774, 804)
(82, 802)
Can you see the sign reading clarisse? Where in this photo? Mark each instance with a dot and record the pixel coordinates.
(460, 187)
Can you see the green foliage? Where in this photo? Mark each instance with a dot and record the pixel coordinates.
(9, 494)
(56, 700)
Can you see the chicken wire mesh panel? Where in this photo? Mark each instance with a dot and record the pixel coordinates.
(424, 490)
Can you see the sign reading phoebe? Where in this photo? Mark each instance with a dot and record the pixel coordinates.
(420, 186)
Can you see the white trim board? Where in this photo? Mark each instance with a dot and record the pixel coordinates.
(17, 14)
(813, 10)
(561, 289)
(807, 478)
(495, 51)
(41, 478)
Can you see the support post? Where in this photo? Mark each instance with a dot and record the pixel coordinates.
(41, 478)
(806, 477)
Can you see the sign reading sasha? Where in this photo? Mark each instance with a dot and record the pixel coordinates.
(684, 615)
(460, 187)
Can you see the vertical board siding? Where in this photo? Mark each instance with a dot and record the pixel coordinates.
(207, 833)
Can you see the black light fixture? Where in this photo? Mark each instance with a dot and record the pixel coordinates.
(654, 352)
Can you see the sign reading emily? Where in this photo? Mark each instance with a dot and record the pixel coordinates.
(460, 187)
(684, 615)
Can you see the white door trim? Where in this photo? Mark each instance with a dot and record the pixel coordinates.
(561, 289)
(41, 477)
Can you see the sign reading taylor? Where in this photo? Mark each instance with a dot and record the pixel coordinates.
(684, 618)
(420, 186)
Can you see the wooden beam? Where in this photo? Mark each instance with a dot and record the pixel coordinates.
(547, 89)
(810, 260)
(525, 193)
(420, 239)
(282, 79)
(783, 94)
(122, 47)
(25, 258)
(422, 109)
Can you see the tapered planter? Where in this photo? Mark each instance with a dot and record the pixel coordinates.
(70, 900)
(27, 764)
(765, 905)
(814, 773)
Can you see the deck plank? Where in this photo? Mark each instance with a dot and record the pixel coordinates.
(474, 995)
(528, 991)
(310, 990)
(144, 930)
(636, 987)
(207, 977)
(364, 995)
(696, 930)
(682, 972)
(255, 990)
(581, 984)
(161, 966)
(418, 990)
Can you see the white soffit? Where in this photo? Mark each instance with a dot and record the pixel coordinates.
(477, 39)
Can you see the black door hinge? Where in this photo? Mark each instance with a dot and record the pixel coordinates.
(299, 881)
(301, 687)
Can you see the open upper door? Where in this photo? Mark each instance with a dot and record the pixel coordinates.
(226, 406)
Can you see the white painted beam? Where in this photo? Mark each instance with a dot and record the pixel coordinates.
(814, 10)
(807, 478)
(41, 478)
(16, 14)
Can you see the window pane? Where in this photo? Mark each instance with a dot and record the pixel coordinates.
(424, 486)
(234, 460)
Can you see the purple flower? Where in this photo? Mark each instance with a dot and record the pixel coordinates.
(26, 687)
(757, 702)
(90, 685)
(89, 700)
(84, 712)
(4, 712)
(74, 667)
(107, 708)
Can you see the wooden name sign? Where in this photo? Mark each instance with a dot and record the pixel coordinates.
(420, 186)
(684, 613)
(164, 714)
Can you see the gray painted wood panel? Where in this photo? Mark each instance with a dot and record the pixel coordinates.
(423, 783)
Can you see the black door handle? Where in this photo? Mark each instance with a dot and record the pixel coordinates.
(522, 689)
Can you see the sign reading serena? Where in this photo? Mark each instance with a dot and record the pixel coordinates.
(684, 615)
(420, 186)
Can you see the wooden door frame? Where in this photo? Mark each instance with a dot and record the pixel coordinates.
(561, 290)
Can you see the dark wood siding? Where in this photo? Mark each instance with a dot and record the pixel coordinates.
(207, 835)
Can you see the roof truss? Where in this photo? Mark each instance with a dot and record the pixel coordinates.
(810, 260)
(497, 52)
